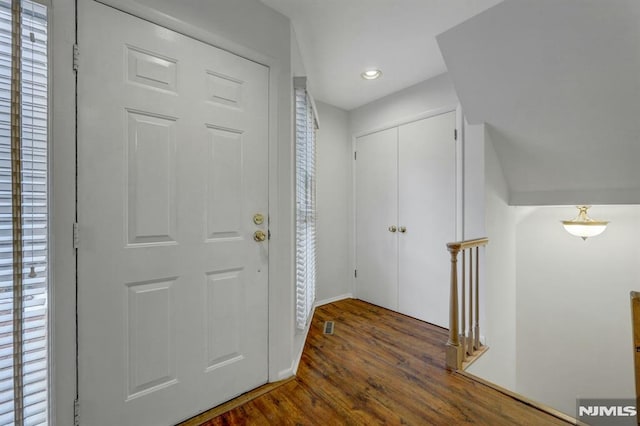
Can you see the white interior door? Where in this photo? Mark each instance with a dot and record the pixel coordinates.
(376, 211)
(427, 209)
(172, 161)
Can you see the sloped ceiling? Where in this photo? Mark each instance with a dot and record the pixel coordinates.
(558, 84)
(339, 39)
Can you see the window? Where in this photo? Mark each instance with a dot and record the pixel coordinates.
(24, 218)
(306, 125)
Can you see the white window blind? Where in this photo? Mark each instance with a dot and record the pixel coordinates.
(305, 207)
(24, 347)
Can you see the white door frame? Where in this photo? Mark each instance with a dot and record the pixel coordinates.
(459, 174)
(63, 181)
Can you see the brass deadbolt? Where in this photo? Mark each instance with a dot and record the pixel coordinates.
(258, 219)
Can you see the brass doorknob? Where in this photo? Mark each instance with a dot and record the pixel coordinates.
(259, 236)
(393, 228)
(403, 229)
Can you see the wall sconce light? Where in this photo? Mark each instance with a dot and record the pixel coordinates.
(583, 226)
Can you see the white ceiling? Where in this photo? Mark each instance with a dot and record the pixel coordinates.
(558, 83)
(341, 38)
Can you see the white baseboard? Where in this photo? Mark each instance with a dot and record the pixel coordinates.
(291, 371)
(296, 359)
(333, 299)
(283, 374)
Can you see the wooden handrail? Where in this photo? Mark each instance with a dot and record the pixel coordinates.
(464, 348)
(461, 245)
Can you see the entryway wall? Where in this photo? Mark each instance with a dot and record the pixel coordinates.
(534, 266)
(403, 106)
(334, 203)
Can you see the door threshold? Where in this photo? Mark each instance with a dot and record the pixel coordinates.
(234, 403)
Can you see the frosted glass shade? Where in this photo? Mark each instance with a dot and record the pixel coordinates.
(583, 226)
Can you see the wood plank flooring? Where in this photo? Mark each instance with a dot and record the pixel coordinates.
(379, 367)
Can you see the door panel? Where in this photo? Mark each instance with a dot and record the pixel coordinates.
(427, 208)
(172, 166)
(151, 147)
(376, 211)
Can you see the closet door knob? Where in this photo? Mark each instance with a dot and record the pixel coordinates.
(393, 228)
(403, 229)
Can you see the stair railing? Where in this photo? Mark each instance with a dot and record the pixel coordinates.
(464, 347)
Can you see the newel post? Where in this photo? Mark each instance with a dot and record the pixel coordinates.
(454, 350)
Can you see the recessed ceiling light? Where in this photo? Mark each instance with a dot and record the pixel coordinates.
(371, 74)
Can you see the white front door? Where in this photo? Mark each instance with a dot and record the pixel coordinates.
(172, 167)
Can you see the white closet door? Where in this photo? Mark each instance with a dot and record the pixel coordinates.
(172, 166)
(376, 211)
(427, 201)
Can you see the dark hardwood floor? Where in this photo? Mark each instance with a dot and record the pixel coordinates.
(379, 367)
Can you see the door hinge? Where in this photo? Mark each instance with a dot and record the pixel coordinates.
(76, 57)
(355, 273)
(76, 235)
(76, 412)
(355, 155)
(455, 134)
